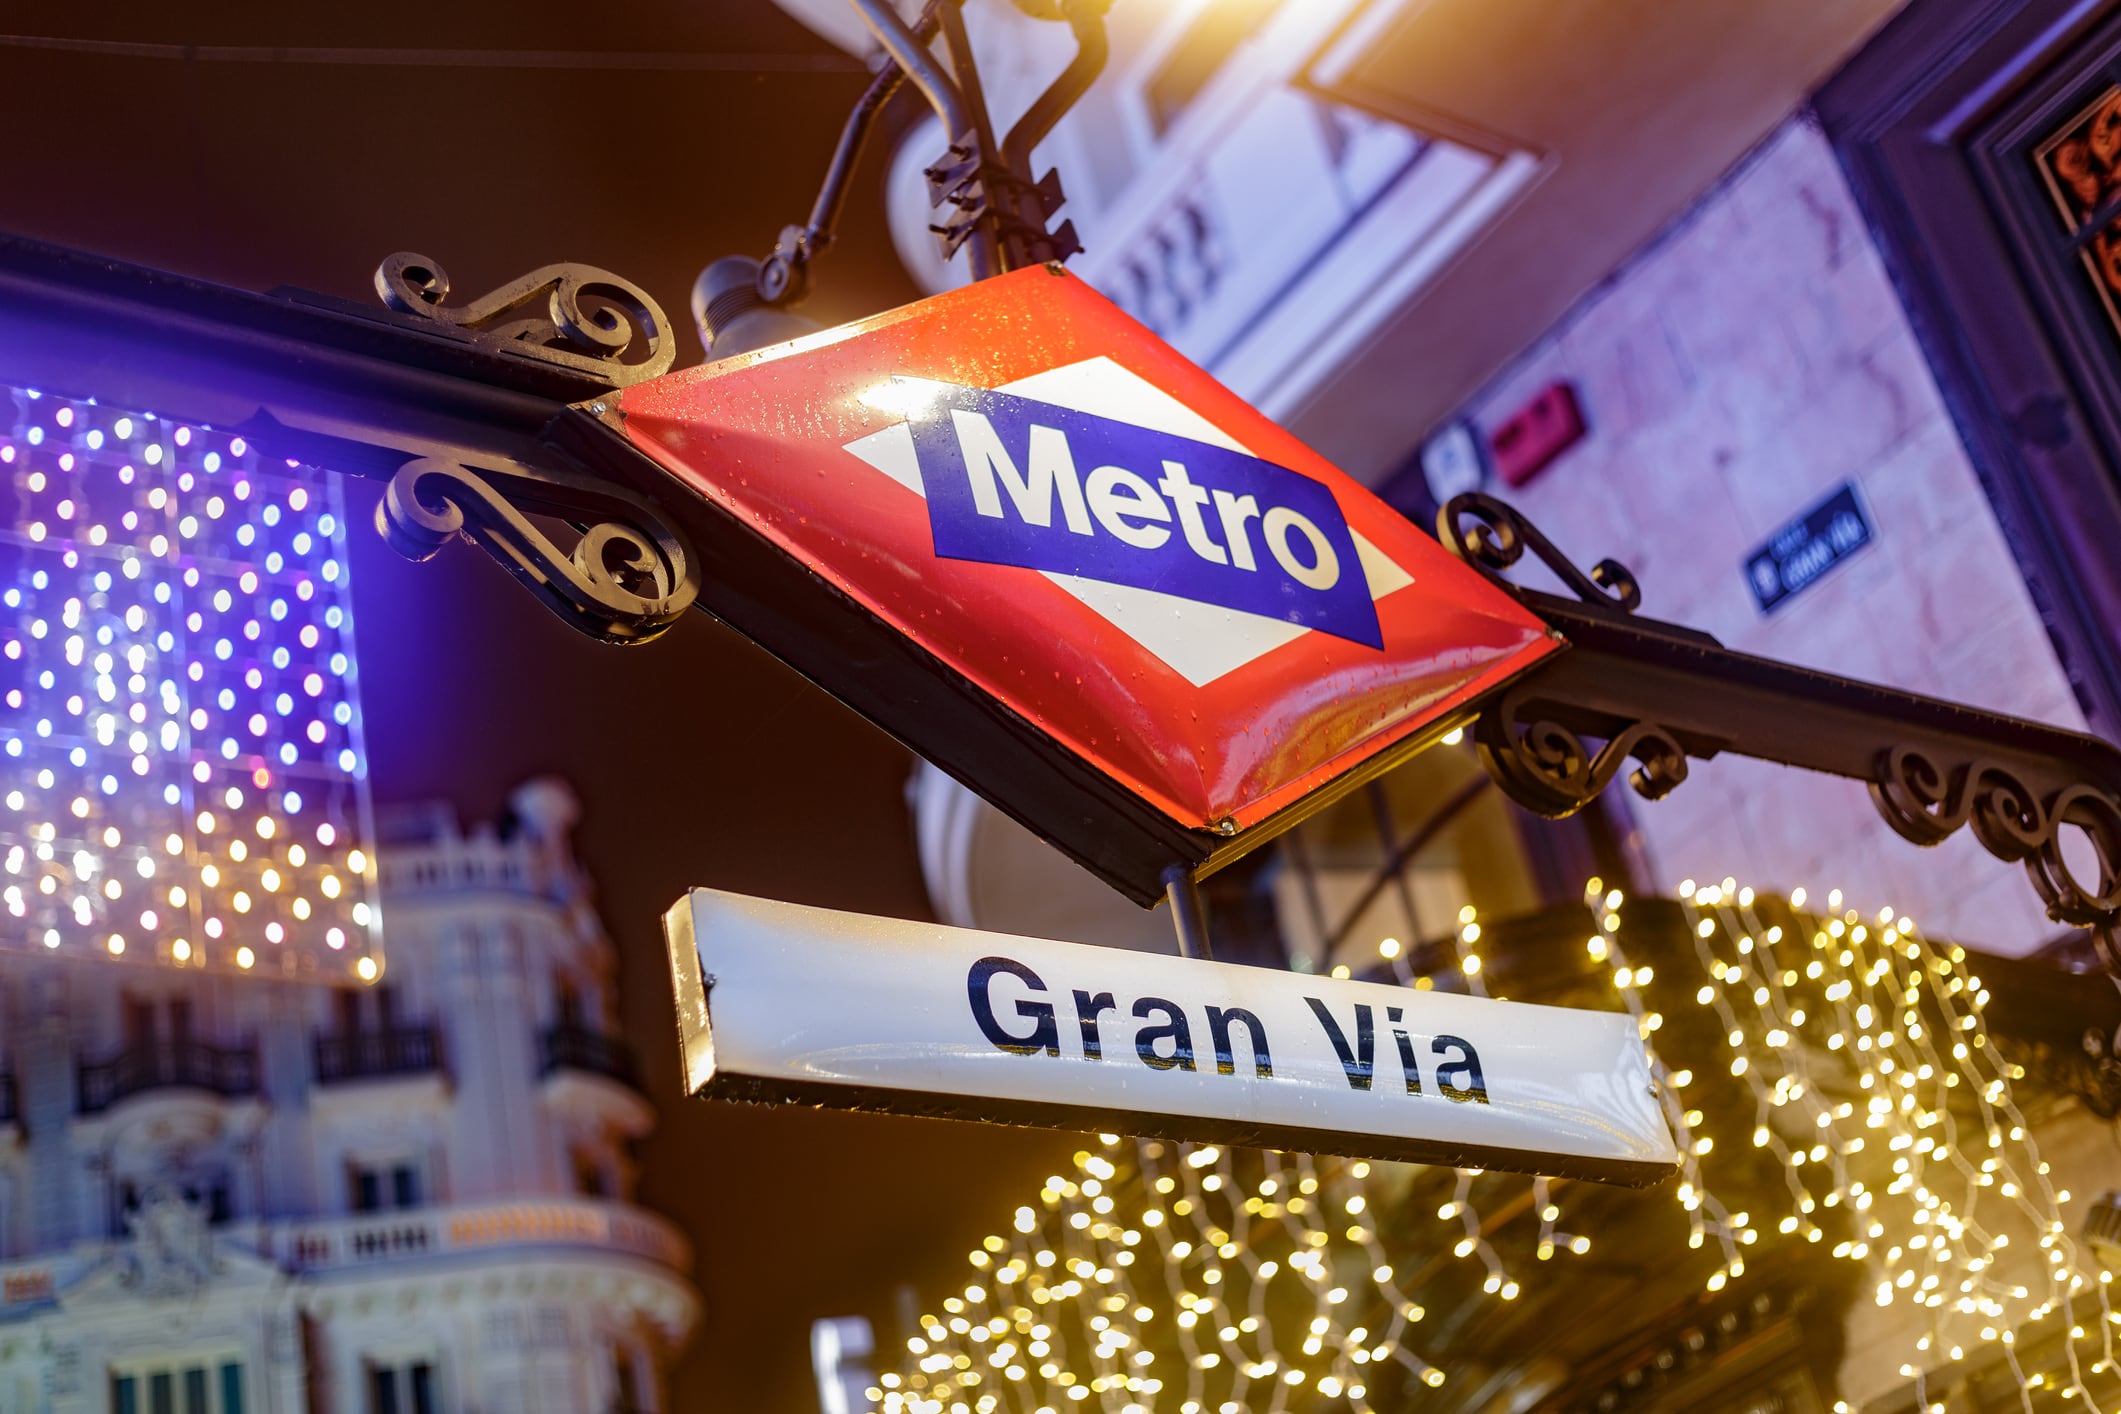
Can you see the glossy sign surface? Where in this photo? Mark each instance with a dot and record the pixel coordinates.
(1075, 518)
(812, 1006)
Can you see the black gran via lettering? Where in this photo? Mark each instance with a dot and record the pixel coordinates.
(1220, 1020)
(1087, 1010)
(1174, 1029)
(1044, 1034)
(1360, 1060)
(1459, 1075)
(1406, 1050)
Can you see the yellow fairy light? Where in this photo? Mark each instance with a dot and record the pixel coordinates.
(1849, 1013)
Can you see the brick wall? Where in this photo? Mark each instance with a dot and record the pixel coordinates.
(1733, 374)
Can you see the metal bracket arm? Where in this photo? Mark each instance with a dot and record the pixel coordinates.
(628, 579)
(1659, 694)
(576, 316)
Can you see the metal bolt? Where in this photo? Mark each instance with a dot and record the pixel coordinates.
(599, 409)
(1226, 826)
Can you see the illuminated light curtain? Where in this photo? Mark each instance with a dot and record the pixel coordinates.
(1876, 1088)
(1196, 1278)
(183, 780)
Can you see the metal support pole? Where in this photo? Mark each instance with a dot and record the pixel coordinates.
(1187, 914)
(832, 195)
(1087, 19)
(943, 95)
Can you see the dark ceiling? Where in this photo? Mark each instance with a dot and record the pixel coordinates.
(647, 138)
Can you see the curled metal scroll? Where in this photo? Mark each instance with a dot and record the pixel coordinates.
(2098, 1073)
(630, 576)
(1491, 537)
(1547, 768)
(1927, 803)
(576, 316)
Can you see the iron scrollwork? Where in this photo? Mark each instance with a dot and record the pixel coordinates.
(1491, 537)
(575, 316)
(2086, 1066)
(1548, 769)
(629, 577)
(1542, 763)
(2032, 795)
(1927, 803)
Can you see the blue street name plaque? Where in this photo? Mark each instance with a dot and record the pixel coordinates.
(1794, 557)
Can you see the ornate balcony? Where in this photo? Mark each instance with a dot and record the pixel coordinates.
(573, 1047)
(377, 1054)
(314, 1245)
(165, 1065)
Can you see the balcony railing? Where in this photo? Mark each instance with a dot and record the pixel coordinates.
(168, 1065)
(578, 1048)
(594, 1224)
(372, 1055)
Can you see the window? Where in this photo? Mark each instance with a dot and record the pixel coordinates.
(360, 1011)
(149, 1022)
(377, 1188)
(182, 1385)
(407, 1388)
(626, 1381)
(1205, 47)
(2080, 165)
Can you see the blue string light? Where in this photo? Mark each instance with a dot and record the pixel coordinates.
(184, 780)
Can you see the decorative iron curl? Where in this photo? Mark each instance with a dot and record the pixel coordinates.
(1498, 536)
(1927, 804)
(1547, 768)
(576, 316)
(629, 578)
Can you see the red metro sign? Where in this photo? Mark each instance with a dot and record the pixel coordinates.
(1128, 608)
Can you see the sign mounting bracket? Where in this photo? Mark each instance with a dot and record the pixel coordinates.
(1661, 695)
(1188, 915)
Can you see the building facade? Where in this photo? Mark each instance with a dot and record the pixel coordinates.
(1775, 311)
(221, 1195)
(1750, 365)
(1749, 352)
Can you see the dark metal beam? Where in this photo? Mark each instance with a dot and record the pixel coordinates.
(497, 402)
(451, 403)
(1658, 694)
(358, 388)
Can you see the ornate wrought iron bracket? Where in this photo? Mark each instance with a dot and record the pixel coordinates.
(1547, 768)
(1927, 803)
(1492, 538)
(629, 577)
(1658, 694)
(575, 316)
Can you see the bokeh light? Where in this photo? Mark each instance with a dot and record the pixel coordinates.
(182, 775)
(1849, 1050)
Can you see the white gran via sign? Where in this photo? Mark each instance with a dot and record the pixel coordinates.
(806, 1005)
